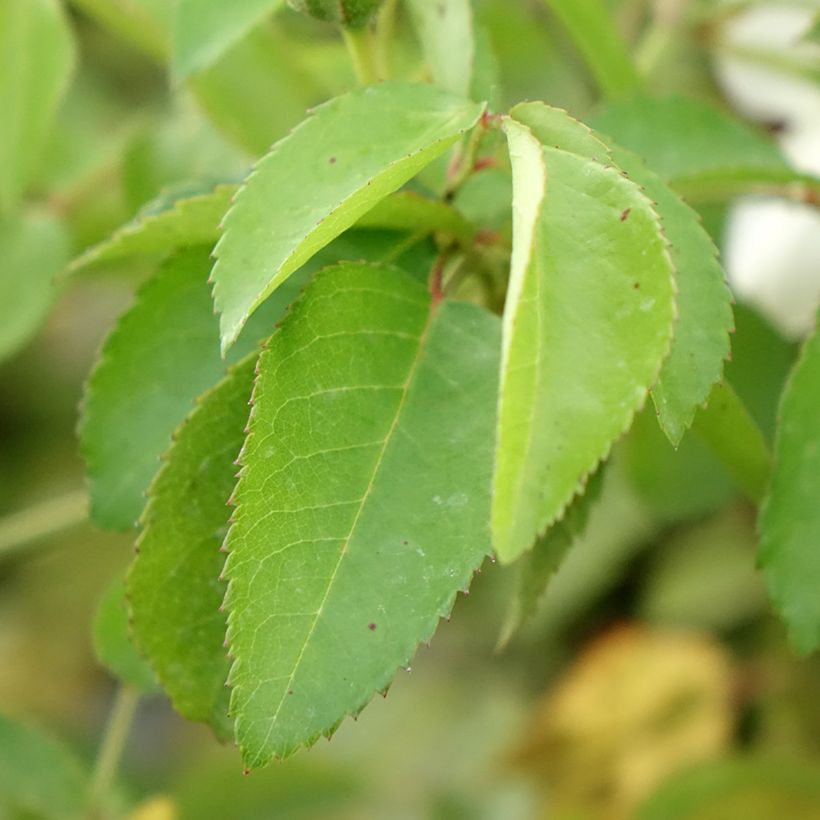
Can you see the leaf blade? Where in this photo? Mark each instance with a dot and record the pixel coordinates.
(789, 524)
(317, 181)
(579, 353)
(294, 683)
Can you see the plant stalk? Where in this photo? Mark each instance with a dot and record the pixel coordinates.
(361, 48)
(42, 520)
(111, 748)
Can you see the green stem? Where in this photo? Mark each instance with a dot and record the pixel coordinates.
(42, 520)
(726, 426)
(464, 161)
(111, 748)
(383, 38)
(360, 47)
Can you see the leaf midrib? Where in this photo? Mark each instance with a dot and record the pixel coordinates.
(405, 388)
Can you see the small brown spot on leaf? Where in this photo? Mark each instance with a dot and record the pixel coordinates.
(625, 214)
(636, 285)
(332, 160)
(371, 627)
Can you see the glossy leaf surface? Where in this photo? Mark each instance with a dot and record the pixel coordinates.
(317, 181)
(363, 502)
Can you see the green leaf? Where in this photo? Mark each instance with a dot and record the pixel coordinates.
(162, 226)
(205, 29)
(173, 585)
(790, 517)
(36, 59)
(596, 36)
(320, 179)
(112, 642)
(695, 147)
(446, 34)
(539, 565)
(39, 777)
(701, 344)
(363, 501)
(33, 249)
(587, 324)
(409, 211)
(701, 341)
(161, 355)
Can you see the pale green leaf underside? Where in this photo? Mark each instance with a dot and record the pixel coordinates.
(588, 322)
(33, 249)
(790, 518)
(363, 501)
(112, 642)
(36, 59)
(701, 341)
(316, 182)
(205, 29)
(173, 586)
(445, 31)
(39, 777)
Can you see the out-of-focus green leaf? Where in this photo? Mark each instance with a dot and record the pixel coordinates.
(408, 211)
(737, 789)
(173, 586)
(587, 323)
(112, 642)
(317, 182)
(38, 776)
(362, 508)
(33, 249)
(446, 34)
(597, 38)
(700, 151)
(257, 90)
(143, 23)
(36, 59)
(790, 516)
(205, 29)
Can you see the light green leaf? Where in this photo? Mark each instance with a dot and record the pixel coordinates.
(36, 58)
(162, 226)
(701, 342)
(446, 34)
(173, 586)
(587, 324)
(790, 517)
(320, 179)
(596, 36)
(363, 501)
(33, 249)
(39, 777)
(205, 29)
(409, 211)
(112, 642)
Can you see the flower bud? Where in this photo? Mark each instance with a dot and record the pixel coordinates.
(347, 13)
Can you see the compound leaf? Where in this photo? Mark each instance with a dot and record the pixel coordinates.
(317, 181)
(587, 324)
(36, 59)
(790, 517)
(173, 586)
(363, 501)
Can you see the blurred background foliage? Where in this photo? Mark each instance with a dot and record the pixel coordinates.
(653, 682)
